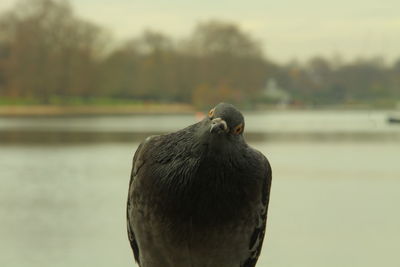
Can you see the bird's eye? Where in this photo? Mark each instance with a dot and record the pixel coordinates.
(238, 129)
(211, 113)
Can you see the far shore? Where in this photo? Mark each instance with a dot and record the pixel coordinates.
(54, 110)
(147, 109)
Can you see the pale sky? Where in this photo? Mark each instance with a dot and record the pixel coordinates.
(287, 29)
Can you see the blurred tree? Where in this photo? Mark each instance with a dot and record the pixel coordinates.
(4, 51)
(324, 89)
(229, 57)
(120, 71)
(157, 72)
(143, 68)
(51, 51)
(217, 37)
(364, 80)
(395, 82)
(46, 51)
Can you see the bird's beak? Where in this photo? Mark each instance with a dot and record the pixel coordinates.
(218, 126)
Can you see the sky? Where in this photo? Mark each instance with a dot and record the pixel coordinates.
(287, 29)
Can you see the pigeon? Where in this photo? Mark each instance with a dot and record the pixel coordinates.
(199, 197)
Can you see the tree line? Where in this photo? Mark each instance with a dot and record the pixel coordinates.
(47, 52)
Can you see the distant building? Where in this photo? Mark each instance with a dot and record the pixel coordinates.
(273, 93)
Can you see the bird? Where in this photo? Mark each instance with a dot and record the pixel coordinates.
(198, 197)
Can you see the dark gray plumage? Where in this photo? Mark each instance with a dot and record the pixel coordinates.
(199, 197)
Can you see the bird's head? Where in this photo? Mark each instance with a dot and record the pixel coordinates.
(224, 120)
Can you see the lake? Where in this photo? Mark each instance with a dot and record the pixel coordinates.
(334, 202)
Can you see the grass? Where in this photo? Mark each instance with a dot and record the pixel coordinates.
(69, 101)
(58, 106)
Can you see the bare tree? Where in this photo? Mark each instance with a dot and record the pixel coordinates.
(51, 51)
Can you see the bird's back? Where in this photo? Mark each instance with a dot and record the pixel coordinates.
(189, 208)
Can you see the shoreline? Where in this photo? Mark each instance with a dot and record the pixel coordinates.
(147, 109)
(53, 110)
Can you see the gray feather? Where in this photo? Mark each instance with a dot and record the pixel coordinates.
(198, 198)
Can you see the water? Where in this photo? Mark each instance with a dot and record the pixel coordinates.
(334, 200)
(272, 121)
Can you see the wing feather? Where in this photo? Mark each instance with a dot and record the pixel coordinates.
(257, 238)
(137, 163)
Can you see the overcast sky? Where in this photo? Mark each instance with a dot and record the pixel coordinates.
(287, 29)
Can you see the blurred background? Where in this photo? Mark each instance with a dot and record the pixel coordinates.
(83, 82)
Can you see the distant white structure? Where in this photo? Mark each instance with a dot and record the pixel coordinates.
(273, 92)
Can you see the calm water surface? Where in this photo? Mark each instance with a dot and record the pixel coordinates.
(334, 202)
